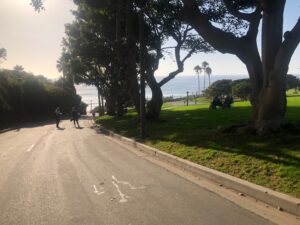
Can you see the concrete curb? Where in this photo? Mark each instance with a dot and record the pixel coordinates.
(263, 194)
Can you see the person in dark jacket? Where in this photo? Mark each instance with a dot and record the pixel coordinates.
(75, 117)
(228, 101)
(216, 102)
(58, 115)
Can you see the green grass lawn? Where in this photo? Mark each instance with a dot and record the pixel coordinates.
(192, 133)
(292, 93)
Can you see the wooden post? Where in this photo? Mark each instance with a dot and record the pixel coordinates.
(187, 98)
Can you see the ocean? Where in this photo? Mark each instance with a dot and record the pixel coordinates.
(176, 87)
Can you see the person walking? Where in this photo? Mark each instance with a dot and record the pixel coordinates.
(58, 115)
(75, 117)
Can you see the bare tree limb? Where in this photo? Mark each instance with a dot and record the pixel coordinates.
(235, 12)
(288, 47)
(192, 51)
(222, 41)
(254, 23)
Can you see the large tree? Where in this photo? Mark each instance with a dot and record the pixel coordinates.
(93, 54)
(159, 17)
(267, 71)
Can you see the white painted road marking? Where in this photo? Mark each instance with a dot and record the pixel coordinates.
(123, 196)
(114, 182)
(127, 183)
(30, 148)
(97, 192)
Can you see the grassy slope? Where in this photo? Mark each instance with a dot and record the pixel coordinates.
(191, 133)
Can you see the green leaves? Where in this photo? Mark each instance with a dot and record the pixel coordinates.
(38, 5)
(3, 54)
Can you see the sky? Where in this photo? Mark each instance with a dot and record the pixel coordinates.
(33, 40)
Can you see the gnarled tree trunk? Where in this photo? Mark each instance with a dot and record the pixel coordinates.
(272, 98)
(110, 105)
(272, 106)
(154, 105)
(267, 73)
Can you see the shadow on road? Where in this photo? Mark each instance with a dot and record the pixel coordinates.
(16, 127)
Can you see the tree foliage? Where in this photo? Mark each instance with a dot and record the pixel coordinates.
(292, 82)
(38, 5)
(25, 97)
(90, 53)
(219, 88)
(162, 25)
(3, 54)
(18, 68)
(242, 89)
(105, 35)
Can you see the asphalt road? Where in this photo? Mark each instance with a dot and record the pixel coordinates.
(79, 177)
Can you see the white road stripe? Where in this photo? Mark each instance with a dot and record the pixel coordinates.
(127, 183)
(30, 148)
(97, 192)
(123, 196)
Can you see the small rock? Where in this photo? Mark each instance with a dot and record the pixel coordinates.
(221, 185)
(241, 194)
(102, 183)
(266, 192)
(279, 208)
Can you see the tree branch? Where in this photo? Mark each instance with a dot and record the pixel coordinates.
(185, 33)
(222, 41)
(170, 77)
(254, 23)
(192, 51)
(168, 47)
(235, 12)
(288, 47)
(179, 66)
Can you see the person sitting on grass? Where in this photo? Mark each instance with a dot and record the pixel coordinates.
(216, 102)
(228, 101)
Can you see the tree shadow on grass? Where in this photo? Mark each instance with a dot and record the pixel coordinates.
(192, 133)
(198, 128)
